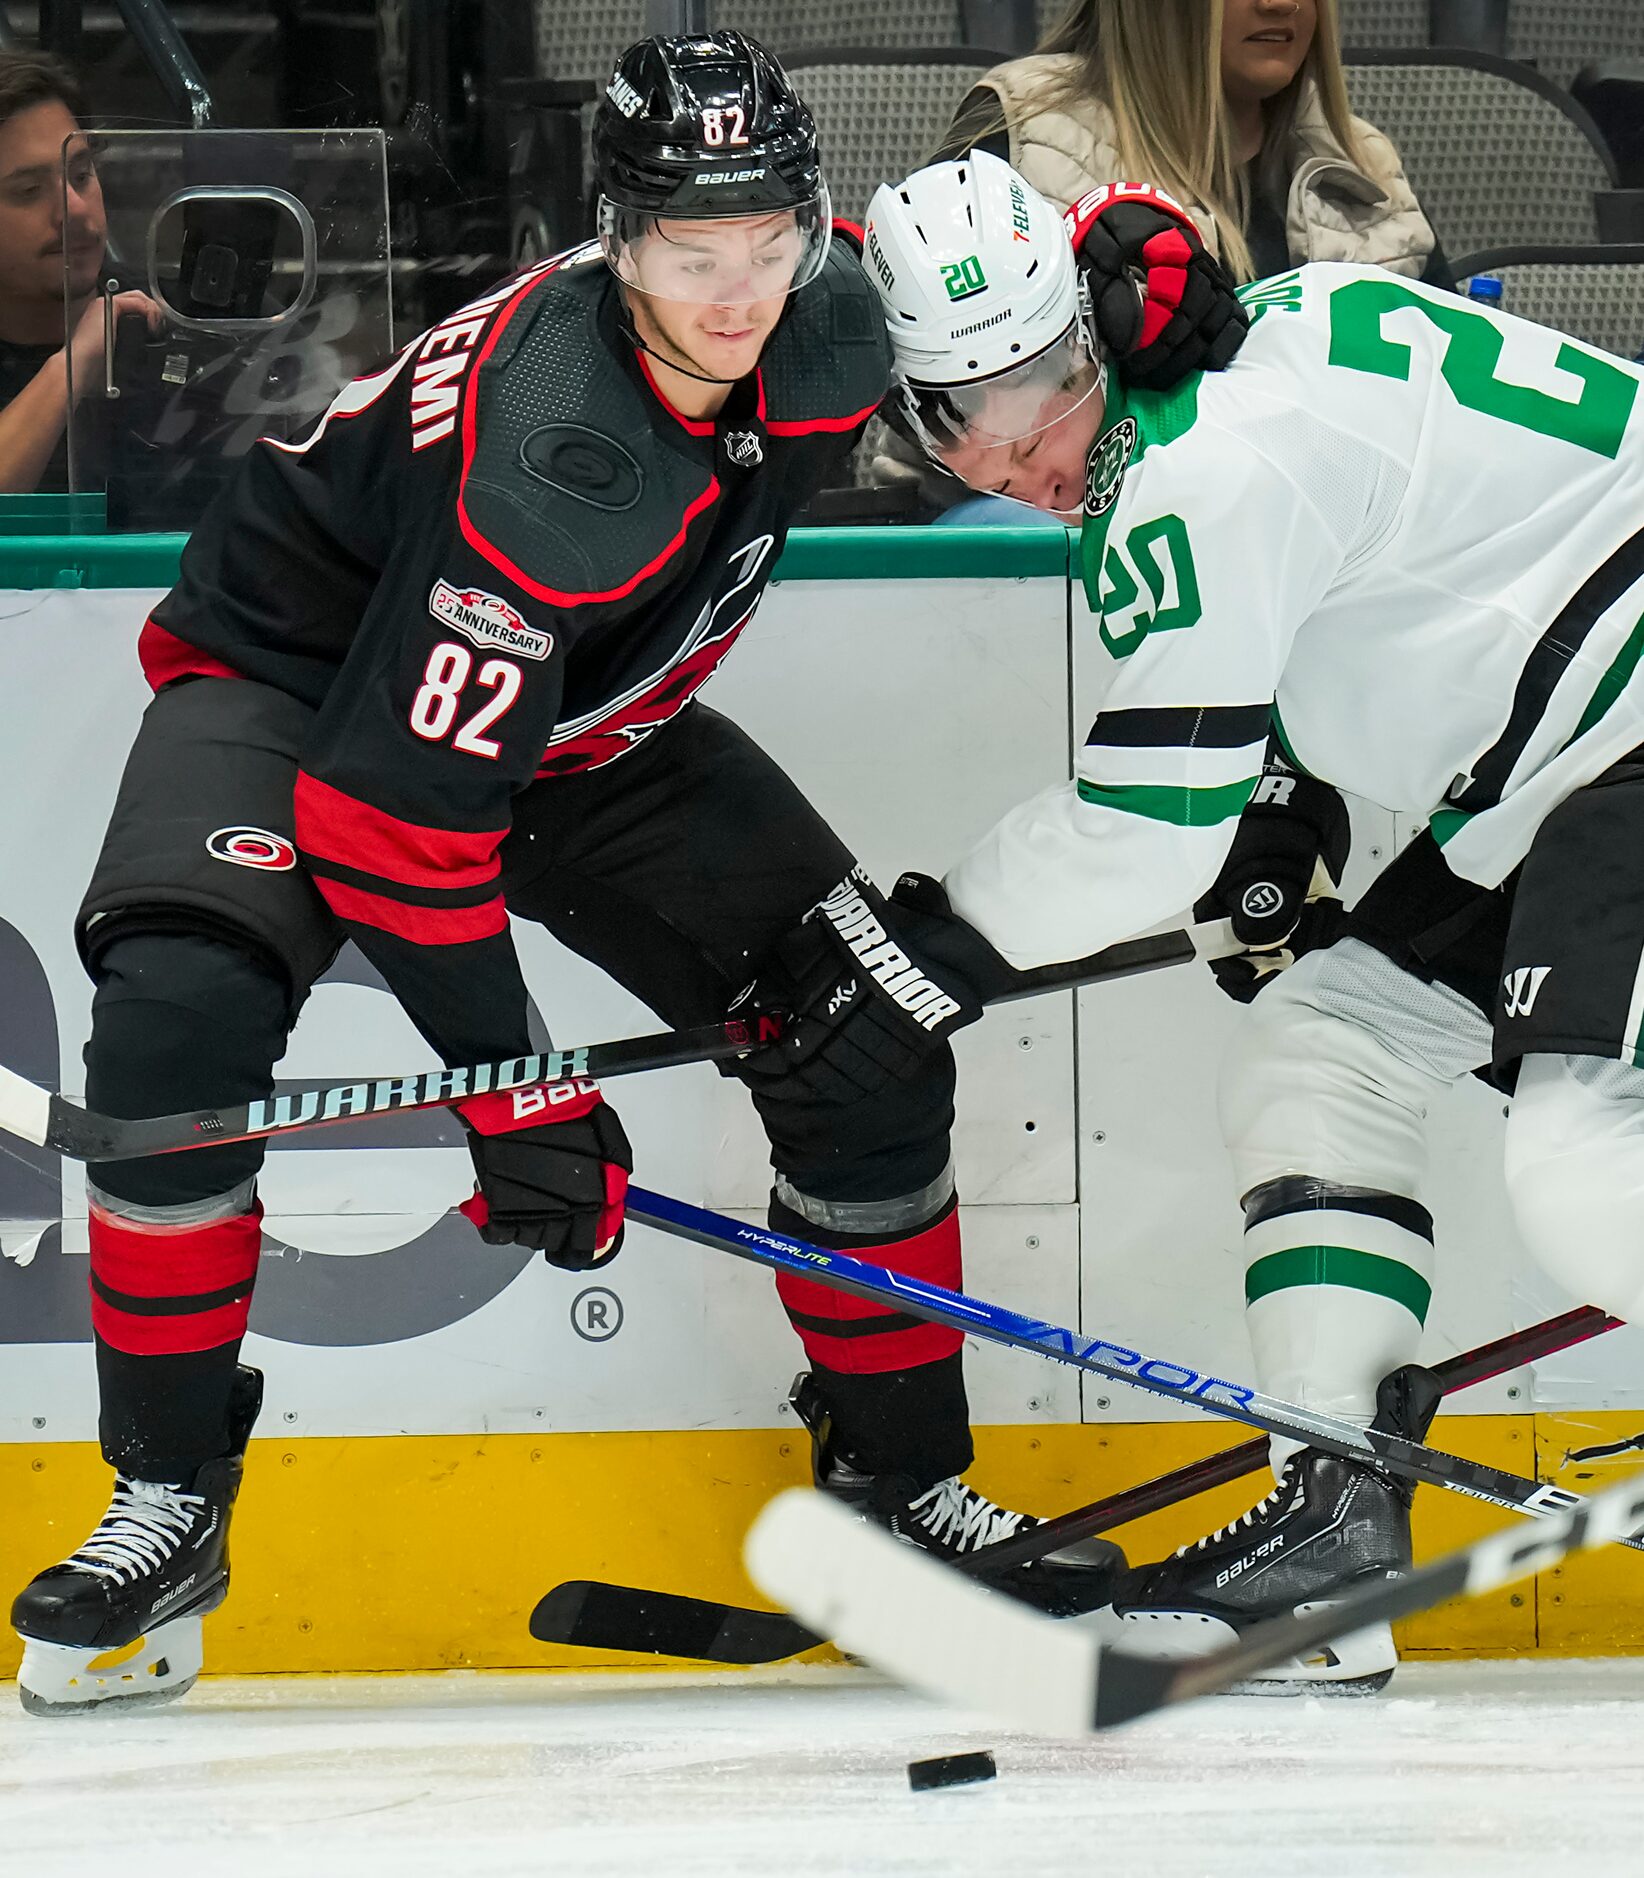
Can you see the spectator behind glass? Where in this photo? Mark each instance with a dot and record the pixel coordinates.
(43, 230)
(1237, 107)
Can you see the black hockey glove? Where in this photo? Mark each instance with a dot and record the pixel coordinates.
(1186, 316)
(556, 1184)
(1279, 883)
(871, 988)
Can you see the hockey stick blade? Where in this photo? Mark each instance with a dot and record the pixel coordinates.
(52, 1121)
(1176, 1382)
(593, 1615)
(911, 1615)
(901, 1610)
(632, 1619)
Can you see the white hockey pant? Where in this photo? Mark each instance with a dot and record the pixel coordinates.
(1324, 1099)
(1575, 1176)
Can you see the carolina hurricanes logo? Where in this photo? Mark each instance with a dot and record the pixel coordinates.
(616, 728)
(252, 847)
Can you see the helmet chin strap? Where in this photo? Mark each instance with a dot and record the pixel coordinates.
(640, 344)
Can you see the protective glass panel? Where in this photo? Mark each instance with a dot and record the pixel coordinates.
(245, 277)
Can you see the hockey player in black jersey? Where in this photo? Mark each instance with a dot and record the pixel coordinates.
(436, 662)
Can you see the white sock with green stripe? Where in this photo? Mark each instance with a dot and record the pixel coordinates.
(1337, 1284)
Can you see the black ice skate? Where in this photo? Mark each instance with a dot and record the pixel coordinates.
(951, 1519)
(1328, 1525)
(155, 1566)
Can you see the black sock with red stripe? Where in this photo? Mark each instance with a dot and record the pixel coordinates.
(181, 1019)
(169, 1308)
(893, 1384)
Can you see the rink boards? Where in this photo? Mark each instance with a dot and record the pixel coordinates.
(450, 1430)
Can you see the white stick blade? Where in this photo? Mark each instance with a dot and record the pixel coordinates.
(920, 1621)
(25, 1109)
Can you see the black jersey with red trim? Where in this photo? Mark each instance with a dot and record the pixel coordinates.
(501, 559)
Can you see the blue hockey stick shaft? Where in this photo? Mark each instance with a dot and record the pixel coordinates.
(937, 1305)
(1117, 1362)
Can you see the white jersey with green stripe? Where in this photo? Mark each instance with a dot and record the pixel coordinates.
(1406, 533)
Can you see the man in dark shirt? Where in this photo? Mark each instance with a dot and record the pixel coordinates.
(52, 240)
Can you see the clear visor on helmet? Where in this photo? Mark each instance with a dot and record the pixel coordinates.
(956, 421)
(716, 260)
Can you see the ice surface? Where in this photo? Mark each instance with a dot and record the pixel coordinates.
(1504, 1769)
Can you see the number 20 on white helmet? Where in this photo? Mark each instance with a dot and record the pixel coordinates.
(988, 320)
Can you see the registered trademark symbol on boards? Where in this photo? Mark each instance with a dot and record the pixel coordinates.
(596, 1314)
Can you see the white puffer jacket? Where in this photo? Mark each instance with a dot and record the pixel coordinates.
(1336, 210)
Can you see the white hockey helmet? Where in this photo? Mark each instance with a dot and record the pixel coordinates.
(989, 321)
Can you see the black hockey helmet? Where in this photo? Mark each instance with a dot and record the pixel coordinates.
(705, 127)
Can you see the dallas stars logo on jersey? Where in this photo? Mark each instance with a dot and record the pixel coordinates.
(1106, 465)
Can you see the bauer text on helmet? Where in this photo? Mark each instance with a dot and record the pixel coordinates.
(999, 372)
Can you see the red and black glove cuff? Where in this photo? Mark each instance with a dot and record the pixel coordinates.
(551, 1164)
(506, 1110)
(1161, 302)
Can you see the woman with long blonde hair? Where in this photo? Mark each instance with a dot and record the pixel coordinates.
(1237, 107)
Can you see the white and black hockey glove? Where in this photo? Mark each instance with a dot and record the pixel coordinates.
(551, 1167)
(871, 987)
(1164, 306)
(1280, 884)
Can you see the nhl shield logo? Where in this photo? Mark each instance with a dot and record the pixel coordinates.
(743, 448)
(1105, 468)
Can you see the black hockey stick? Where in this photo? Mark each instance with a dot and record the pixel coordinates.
(909, 1613)
(590, 1614)
(593, 1614)
(51, 1121)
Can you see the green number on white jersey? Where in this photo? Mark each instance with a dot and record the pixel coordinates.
(1596, 421)
(1142, 593)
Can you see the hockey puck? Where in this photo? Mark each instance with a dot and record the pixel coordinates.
(950, 1770)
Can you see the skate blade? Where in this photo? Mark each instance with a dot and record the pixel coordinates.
(1361, 1663)
(68, 1679)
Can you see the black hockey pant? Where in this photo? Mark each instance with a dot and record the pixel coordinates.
(675, 869)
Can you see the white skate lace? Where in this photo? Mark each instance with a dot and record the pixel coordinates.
(1245, 1520)
(958, 1516)
(142, 1530)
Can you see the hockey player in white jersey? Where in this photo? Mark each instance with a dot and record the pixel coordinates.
(1407, 535)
